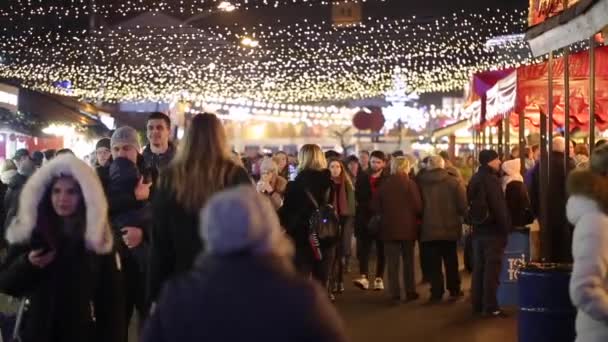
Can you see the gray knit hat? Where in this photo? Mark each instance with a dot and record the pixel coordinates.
(126, 135)
(241, 220)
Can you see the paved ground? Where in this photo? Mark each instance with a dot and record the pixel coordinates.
(369, 316)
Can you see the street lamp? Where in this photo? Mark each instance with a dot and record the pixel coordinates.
(249, 42)
(226, 6)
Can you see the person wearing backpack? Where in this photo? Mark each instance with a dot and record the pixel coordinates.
(306, 211)
(488, 214)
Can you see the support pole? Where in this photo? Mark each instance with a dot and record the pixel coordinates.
(507, 133)
(567, 107)
(545, 233)
(522, 142)
(591, 92)
(500, 140)
(549, 133)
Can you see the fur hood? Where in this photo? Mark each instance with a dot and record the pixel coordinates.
(98, 236)
(590, 185)
(6, 177)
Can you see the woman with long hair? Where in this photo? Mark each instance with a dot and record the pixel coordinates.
(61, 258)
(343, 200)
(283, 164)
(313, 180)
(202, 167)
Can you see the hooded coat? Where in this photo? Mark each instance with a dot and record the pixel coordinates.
(445, 204)
(516, 194)
(78, 296)
(587, 209)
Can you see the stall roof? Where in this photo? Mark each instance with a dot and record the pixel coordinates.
(450, 129)
(54, 108)
(583, 20)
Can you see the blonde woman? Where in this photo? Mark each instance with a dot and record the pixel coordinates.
(343, 200)
(271, 184)
(202, 167)
(399, 205)
(314, 178)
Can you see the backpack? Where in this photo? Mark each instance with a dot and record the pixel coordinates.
(478, 212)
(323, 222)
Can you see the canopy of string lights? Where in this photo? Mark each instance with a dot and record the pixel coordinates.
(160, 56)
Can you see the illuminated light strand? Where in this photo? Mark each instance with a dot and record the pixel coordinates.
(297, 63)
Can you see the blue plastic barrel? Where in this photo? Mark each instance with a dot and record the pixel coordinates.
(517, 255)
(545, 310)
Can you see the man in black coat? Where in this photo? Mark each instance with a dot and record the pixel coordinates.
(491, 225)
(560, 230)
(128, 196)
(366, 187)
(25, 168)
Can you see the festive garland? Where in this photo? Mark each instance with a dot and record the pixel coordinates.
(299, 63)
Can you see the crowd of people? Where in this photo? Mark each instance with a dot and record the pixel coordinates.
(172, 232)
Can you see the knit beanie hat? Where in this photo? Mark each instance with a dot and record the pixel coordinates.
(241, 220)
(104, 143)
(486, 156)
(125, 135)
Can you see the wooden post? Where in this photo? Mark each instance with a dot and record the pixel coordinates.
(591, 92)
(452, 147)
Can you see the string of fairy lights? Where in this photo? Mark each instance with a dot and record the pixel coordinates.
(15, 10)
(303, 62)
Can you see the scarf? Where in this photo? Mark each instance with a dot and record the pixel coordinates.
(340, 199)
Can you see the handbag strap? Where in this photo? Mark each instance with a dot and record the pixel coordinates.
(312, 199)
(19, 321)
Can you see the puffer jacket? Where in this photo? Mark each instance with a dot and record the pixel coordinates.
(445, 203)
(587, 210)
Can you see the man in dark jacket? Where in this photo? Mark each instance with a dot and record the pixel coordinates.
(25, 168)
(127, 195)
(244, 245)
(491, 224)
(444, 200)
(160, 151)
(367, 186)
(103, 159)
(560, 231)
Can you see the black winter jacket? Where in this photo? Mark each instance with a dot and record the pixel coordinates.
(297, 207)
(11, 200)
(516, 195)
(498, 222)
(174, 235)
(78, 297)
(126, 210)
(364, 196)
(155, 163)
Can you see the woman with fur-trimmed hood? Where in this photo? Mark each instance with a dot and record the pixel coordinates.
(61, 258)
(587, 209)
